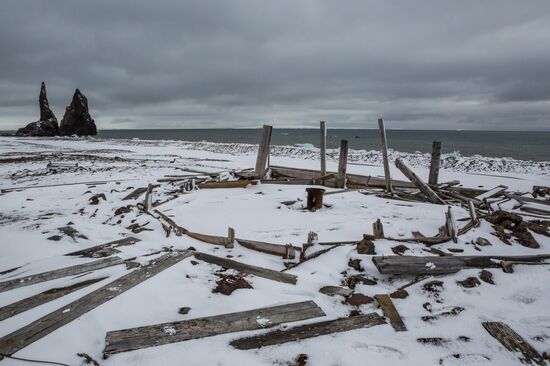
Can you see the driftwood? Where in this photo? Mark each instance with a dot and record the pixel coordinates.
(513, 342)
(213, 239)
(247, 268)
(178, 230)
(308, 331)
(34, 331)
(342, 165)
(156, 335)
(59, 273)
(491, 193)
(104, 250)
(311, 256)
(417, 239)
(420, 265)
(135, 193)
(523, 199)
(391, 312)
(434, 163)
(263, 152)
(384, 147)
(285, 251)
(228, 184)
(28, 303)
(419, 183)
(96, 182)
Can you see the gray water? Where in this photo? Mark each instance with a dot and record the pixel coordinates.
(518, 145)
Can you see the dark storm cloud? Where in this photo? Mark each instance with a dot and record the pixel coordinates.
(422, 64)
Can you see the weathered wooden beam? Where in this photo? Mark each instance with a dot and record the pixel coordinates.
(415, 179)
(228, 184)
(19, 339)
(285, 251)
(513, 342)
(523, 199)
(59, 273)
(135, 193)
(247, 268)
(323, 147)
(97, 182)
(450, 224)
(424, 240)
(384, 147)
(156, 335)
(342, 165)
(420, 265)
(178, 230)
(263, 151)
(28, 303)
(391, 312)
(308, 331)
(473, 213)
(491, 193)
(148, 202)
(434, 163)
(211, 239)
(104, 250)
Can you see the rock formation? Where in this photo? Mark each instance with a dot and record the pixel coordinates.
(47, 125)
(77, 119)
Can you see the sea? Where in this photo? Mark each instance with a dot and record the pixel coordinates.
(524, 145)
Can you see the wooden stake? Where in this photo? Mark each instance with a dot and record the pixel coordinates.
(323, 147)
(230, 237)
(450, 224)
(342, 165)
(419, 183)
(382, 129)
(148, 203)
(378, 229)
(263, 151)
(434, 163)
(473, 214)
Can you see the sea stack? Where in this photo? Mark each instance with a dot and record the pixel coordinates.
(47, 125)
(77, 119)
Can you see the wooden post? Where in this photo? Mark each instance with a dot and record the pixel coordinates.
(263, 151)
(342, 165)
(378, 229)
(314, 198)
(419, 183)
(473, 214)
(382, 129)
(148, 203)
(323, 147)
(230, 237)
(434, 163)
(450, 224)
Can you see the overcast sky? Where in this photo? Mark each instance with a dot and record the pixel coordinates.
(433, 64)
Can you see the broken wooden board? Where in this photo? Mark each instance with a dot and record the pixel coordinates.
(424, 240)
(211, 239)
(391, 312)
(104, 250)
(28, 303)
(308, 331)
(135, 194)
(59, 273)
(491, 193)
(156, 335)
(419, 183)
(420, 265)
(229, 184)
(34, 331)
(513, 342)
(285, 251)
(247, 268)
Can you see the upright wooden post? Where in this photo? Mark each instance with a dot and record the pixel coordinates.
(382, 129)
(434, 163)
(342, 165)
(323, 147)
(263, 151)
(148, 202)
(378, 229)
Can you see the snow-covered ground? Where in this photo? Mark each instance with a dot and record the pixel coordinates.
(28, 217)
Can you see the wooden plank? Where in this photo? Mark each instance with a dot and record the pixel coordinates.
(159, 334)
(473, 213)
(263, 151)
(434, 163)
(384, 146)
(342, 165)
(513, 342)
(308, 331)
(59, 273)
(415, 179)
(211, 239)
(104, 250)
(491, 193)
(229, 184)
(285, 251)
(421, 265)
(28, 303)
(148, 202)
(523, 199)
(135, 193)
(96, 182)
(391, 312)
(247, 268)
(34, 331)
(323, 147)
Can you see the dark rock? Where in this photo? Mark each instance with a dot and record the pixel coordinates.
(524, 237)
(355, 264)
(94, 200)
(469, 282)
(482, 241)
(301, 360)
(463, 339)
(486, 276)
(123, 210)
(366, 246)
(229, 283)
(456, 250)
(77, 119)
(541, 227)
(184, 310)
(55, 238)
(435, 341)
(359, 299)
(399, 294)
(500, 217)
(427, 306)
(47, 124)
(400, 249)
(335, 290)
(433, 286)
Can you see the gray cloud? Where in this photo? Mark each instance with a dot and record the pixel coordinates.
(423, 64)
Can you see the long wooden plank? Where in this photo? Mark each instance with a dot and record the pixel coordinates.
(34, 331)
(513, 342)
(59, 273)
(420, 265)
(285, 251)
(391, 312)
(384, 147)
(106, 249)
(492, 192)
(135, 193)
(247, 268)
(308, 331)
(28, 303)
(419, 183)
(156, 335)
(228, 184)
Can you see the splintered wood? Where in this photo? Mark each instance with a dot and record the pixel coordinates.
(15, 341)
(156, 335)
